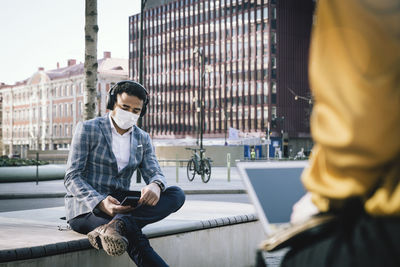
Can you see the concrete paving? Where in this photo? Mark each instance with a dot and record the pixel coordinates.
(218, 184)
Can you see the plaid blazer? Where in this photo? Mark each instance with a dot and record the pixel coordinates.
(92, 170)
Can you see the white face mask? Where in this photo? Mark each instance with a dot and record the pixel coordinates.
(124, 119)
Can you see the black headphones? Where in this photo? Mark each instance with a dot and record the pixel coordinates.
(112, 97)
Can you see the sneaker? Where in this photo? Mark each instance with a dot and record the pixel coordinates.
(94, 237)
(112, 236)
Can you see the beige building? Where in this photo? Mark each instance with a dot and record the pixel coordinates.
(42, 111)
(2, 85)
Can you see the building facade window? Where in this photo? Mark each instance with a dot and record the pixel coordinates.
(239, 48)
(79, 108)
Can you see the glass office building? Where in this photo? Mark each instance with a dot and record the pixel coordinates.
(243, 45)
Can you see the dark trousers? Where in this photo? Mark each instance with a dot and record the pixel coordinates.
(139, 249)
(357, 240)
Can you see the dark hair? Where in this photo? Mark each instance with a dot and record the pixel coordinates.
(131, 88)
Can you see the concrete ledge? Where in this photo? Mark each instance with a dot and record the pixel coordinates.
(41, 244)
(214, 191)
(153, 232)
(173, 229)
(62, 194)
(43, 251)
(28, 173)
(31, 195)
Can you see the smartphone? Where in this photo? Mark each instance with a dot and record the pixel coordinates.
(130, 201)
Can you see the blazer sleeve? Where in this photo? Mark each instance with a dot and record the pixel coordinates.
(149, 167)
(75, 180)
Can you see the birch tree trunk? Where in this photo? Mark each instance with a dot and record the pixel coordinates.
(90, 66)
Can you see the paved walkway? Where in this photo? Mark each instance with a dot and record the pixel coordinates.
(218, 184)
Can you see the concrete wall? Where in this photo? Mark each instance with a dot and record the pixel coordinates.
(28, 173)
(53, 156)
(217, 153)
(232, 245)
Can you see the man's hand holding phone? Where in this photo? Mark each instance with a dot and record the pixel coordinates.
(111, 206)
(130, 201)
(149, 195)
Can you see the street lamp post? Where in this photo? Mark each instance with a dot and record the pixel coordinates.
(268, 140)
(199, 52)
(197, 113)
(297, 97)
(226, 125)
(142, 6)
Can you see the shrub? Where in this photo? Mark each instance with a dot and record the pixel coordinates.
(5, 162)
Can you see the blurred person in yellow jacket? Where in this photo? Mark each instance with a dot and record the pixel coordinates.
(355, 164)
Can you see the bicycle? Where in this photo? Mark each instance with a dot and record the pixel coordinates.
(198, 164)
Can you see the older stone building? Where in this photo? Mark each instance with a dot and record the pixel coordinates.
(2, 85)
(41, 112)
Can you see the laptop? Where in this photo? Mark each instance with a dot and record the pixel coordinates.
(273, 187)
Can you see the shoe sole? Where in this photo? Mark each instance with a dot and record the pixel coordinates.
(94, 239)
(113, 245)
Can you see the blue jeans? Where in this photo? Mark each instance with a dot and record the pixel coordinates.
(139, 249)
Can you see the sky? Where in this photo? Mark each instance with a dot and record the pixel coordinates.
(41, 33)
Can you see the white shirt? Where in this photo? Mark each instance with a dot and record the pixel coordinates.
(121, 145)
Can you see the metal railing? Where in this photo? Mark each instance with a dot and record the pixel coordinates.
(178, 163)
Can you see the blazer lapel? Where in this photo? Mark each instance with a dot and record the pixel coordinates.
(106, 130)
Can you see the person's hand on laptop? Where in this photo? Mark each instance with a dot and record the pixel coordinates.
(303, 209)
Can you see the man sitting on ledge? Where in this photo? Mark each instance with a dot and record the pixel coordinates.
(105, 152)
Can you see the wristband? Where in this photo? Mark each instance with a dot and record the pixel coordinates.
(160, 185)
